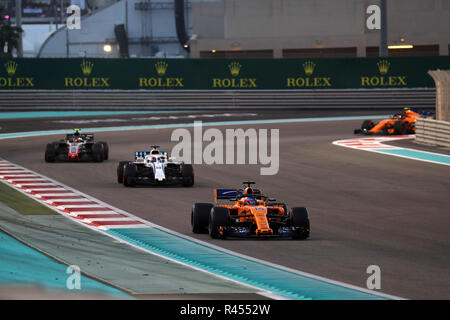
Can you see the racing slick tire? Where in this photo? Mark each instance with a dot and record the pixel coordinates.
(120, 168)
(105, 150)
(218, 218)
(51, 151)
(129, 175)
(300, 221)
(187, 173)
(200, 217)
(98, 152)
(365, 127)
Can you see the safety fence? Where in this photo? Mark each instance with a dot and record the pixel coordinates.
(214, 99)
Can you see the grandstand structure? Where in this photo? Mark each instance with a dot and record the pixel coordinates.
(317, 28)
(128, 28)
(237, 28)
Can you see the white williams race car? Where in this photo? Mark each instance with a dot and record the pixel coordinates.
(154, 168)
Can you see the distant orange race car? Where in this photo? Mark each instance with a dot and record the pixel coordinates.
(398, 124)
(251, 215)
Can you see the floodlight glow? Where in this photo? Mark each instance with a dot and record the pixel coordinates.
(401, 46)
(107, 48)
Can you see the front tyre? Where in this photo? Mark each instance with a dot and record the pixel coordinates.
(200, 217)
(218, 222)
(367, 125)
(300, 222)
(105, 150)
(129, 175)
(50, 152)
(120, 169)
(187, 174)
(98, 152)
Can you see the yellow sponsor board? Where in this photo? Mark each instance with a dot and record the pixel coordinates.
(86, 81)
(308, 81)
(383, 80)
(234, 82)
(160, 80)
(11, 81)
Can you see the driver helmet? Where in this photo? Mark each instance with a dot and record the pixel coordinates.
(249, 201)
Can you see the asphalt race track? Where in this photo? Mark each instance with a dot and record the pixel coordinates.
(365, 208)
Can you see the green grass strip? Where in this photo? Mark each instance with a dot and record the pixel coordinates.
(21, 203)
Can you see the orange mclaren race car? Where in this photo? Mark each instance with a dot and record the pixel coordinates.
(252, 214)
(398, 124)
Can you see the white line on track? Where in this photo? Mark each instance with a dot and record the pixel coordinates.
(40, 195)
(38, 189)
(27, 179)
(80, 206)
(92, 212)
(65, 200)
(119, 218)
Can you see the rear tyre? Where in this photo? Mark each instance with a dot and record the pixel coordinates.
(98, 152)
(120, 169)
(300, 221)
(218, 222)
(105, 150)
(51, 152)
(200, 217)
(129, 175)
(187, 173)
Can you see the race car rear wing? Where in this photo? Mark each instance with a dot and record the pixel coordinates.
(424, 113)
(141, 154)
(224, 194)
(84, 136)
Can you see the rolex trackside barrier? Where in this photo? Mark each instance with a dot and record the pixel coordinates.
(219, 74)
